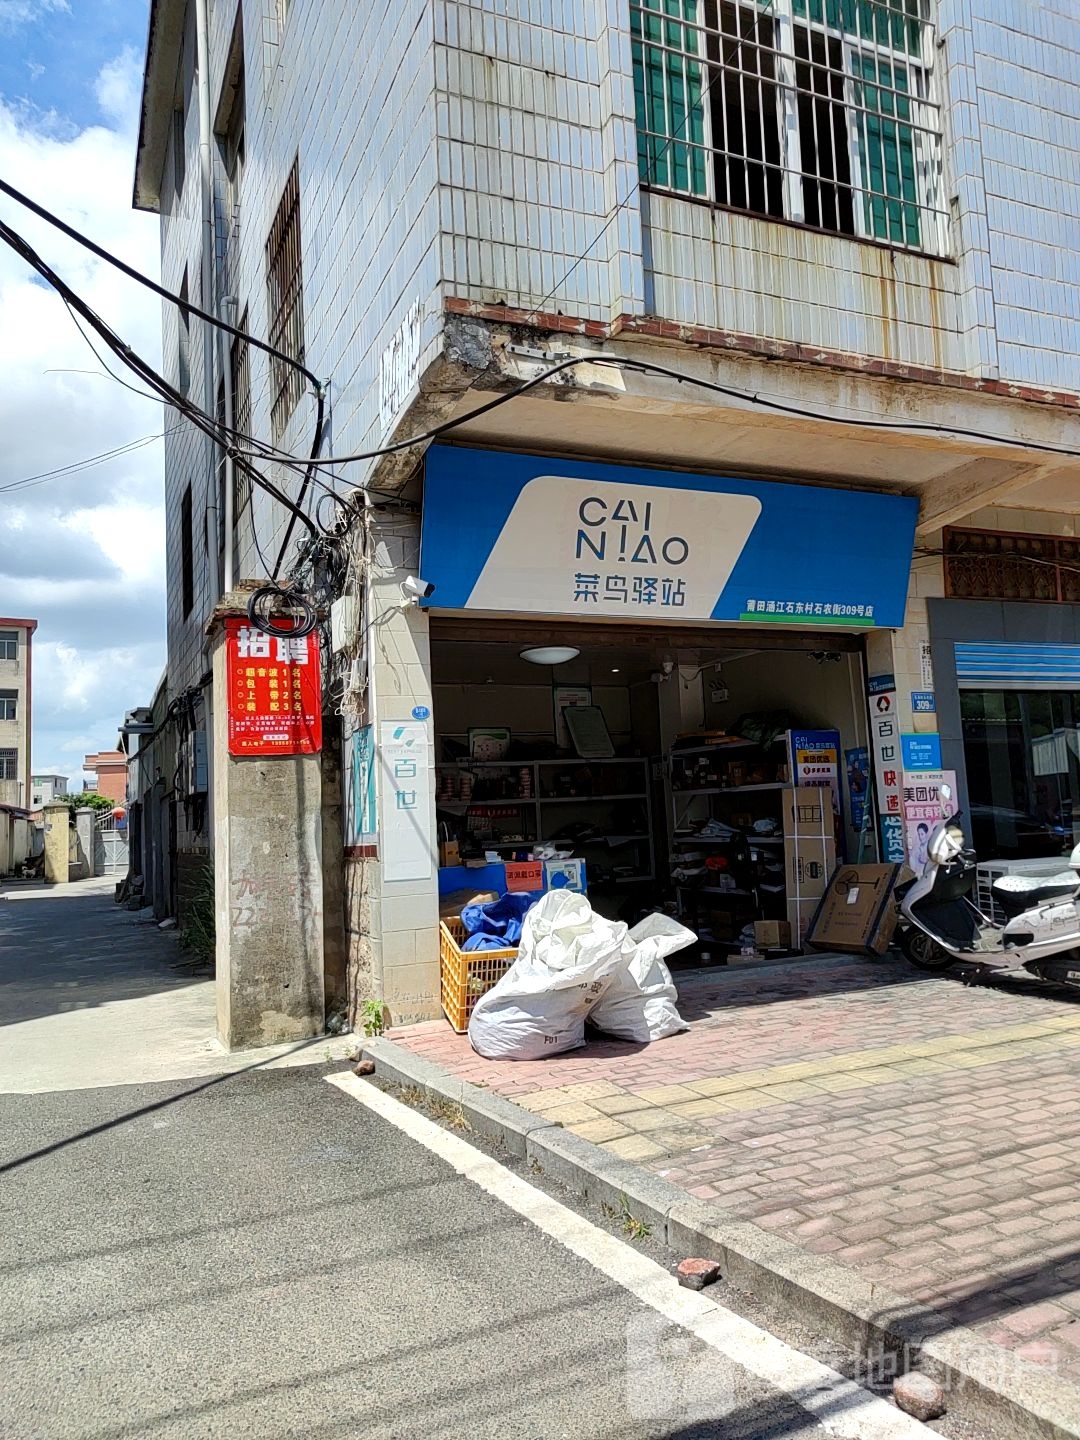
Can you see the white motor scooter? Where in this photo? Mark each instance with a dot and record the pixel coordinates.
(941, 925)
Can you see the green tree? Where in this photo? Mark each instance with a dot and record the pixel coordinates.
(86, 799)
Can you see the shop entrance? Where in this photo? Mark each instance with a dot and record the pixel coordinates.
(660, 762)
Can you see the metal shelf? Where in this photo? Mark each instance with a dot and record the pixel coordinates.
(713, 890)
(583, 799)
(537, 803)
(723, 749)
(733, 789)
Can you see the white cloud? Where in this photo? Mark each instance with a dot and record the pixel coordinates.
(118, 89)
(82, 553)
(19, 12)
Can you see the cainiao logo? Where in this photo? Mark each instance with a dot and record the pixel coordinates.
(600, 548)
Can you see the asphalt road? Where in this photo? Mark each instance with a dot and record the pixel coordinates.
(263, 1257)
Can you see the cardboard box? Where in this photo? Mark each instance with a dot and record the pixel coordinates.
(449, 853)
(809, 865)
(451, 906)
(808, 813)
(857, 915)
(524, 875)
(772, 935)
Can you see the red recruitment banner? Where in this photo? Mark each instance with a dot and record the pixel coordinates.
(275, 692)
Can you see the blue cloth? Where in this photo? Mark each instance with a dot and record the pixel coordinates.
(485, 942)
(499, 920)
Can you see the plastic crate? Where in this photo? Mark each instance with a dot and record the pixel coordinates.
(465, 975)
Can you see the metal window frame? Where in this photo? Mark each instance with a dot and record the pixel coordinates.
(187, 551)
(285, 301)
(922, 100)
(9, 764)
(9, 644)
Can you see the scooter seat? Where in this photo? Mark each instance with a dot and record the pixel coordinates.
(1032, 889)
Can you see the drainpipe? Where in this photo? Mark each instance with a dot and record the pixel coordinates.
(209, 244)
(228, 313)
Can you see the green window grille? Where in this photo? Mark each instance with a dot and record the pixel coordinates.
(890, 195)
(668, 94)
(896, 24)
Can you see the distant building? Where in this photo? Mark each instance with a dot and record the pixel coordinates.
(44, 788)
(109, 768)
(15, 642)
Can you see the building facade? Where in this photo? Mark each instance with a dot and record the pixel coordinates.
(16, 638)
(109, 769)
(45, 788)
(810, 256)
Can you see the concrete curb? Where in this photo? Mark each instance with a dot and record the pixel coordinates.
(987, 1383)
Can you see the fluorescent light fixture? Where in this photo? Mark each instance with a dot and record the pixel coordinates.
(550, 654)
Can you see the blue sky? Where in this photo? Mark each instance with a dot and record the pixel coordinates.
(83, 553)
(52, 50)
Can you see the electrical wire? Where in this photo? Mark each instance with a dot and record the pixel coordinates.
(76, 466)
(141, 367)
(732, 392)
(296, 511)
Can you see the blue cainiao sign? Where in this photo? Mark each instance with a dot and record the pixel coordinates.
(529, 534)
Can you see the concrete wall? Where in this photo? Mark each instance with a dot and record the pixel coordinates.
(537, 155)
(15, 734)
(536, 151)
(1014, 111)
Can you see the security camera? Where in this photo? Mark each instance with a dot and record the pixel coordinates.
(414, 588)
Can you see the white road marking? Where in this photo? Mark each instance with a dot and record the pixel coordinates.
(839, 1406)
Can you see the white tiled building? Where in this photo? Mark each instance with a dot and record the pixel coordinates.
(862, 212)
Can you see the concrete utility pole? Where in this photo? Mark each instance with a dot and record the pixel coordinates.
(57, 844)
(268, 879)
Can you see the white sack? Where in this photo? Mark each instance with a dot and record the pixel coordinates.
(639, 1004)
(567, 959)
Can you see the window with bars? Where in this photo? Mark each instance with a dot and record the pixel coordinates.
(187, 554)
(285, 294)
(240, 369)
(183, 340)
(989, 565)
(9, 704)
(9, 644)
(814, 111)
(9, 764)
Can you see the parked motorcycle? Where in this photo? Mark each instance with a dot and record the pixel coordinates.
(940, 924)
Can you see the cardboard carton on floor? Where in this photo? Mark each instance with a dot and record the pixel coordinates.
(772, 934)
(857, 915)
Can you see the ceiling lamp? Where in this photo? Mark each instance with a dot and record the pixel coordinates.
(550, 654)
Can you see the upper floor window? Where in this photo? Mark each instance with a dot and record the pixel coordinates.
(229, 126)
(183, 340)
(992, 565)
(285, 297)
(814, 111)
(9, 644)
(9, 764)
(9, 704)
(240, 372)
(187, 554)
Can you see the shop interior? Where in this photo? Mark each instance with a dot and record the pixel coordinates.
(660, 759)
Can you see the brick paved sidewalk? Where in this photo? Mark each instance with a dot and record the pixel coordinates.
(922, 1132)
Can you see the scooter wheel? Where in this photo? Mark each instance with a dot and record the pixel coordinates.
(922, 952)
